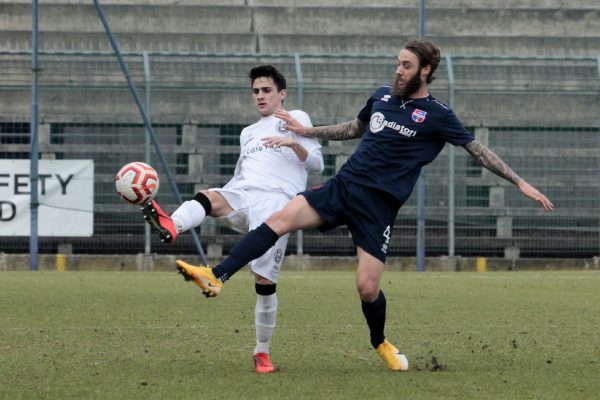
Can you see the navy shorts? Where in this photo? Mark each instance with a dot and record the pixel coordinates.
(368, 213)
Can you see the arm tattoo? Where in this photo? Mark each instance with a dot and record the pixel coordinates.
(490, 160)
(345, 131)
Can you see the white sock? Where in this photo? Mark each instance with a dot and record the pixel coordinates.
(189, 215)
(265, 313)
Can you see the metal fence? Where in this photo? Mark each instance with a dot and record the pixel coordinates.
(540, 114)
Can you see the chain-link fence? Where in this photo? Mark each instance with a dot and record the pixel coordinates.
(541, 115)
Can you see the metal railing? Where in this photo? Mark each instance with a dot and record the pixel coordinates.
(540, 114)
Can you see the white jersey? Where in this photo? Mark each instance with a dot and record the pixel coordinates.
(273, 169)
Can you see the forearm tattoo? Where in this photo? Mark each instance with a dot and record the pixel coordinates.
(490, 160)
(345, 131)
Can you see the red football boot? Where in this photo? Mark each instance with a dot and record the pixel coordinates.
(262, 363)
(160, 221)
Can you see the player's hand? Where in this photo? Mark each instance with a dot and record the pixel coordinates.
(278, 141)
(292, 123)
(535, 194)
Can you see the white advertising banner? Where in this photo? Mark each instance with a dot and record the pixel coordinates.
(65, 195)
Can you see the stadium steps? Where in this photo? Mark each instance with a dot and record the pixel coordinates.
(470, 26)
(496, 4)
(509, 4)
(134, 18)
(514, 45)
(135, 2)
(449, 21)
(133, 42)
(477, 30)
(161, 26)
(334, 89)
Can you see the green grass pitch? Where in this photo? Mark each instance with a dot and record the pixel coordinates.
(103, 335)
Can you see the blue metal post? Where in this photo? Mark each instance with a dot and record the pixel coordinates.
(422, 18)
(598, 65)
(451, 194)
(421, 180)
(147, 157)
(147, 123)
(35, 151)
(300, 80)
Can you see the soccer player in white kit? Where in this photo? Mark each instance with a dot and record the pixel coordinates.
(272, 168)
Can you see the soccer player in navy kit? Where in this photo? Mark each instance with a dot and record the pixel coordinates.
(403, 128)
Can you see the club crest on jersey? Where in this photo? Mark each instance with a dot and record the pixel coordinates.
(280, 127)
(419, 116)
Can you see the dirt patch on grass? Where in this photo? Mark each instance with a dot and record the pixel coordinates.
(432, 365)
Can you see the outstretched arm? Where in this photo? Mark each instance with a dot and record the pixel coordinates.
(490, 160)
(344, 131)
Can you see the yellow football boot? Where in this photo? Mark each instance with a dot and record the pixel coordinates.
(395, 360)
(202, 276)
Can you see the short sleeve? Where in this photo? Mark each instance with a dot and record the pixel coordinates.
(310, 144)
(453, 130)
(365, 113)
(302, 117)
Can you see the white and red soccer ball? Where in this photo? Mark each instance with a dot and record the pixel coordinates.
(137, 183)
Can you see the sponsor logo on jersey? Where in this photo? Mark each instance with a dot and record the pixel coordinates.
(259, 148)
(280, 127)
(386, 97)
(378, 122)
(419, 115)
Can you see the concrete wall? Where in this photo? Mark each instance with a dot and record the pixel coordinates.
(214, 91)
(500, 4)
(515, 27)
(469, 26)
(138, 26)
(342, 3)
(127, 17)
(449, 21)
(20, 262)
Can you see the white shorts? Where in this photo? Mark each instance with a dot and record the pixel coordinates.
(250, 209)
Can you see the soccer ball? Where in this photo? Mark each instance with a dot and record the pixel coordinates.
(137, 183)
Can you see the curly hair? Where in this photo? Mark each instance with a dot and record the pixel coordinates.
(427, 53)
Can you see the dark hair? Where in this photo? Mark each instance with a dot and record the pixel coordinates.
(427, 53)
(268, 71)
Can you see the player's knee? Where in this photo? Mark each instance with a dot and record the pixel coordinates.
(367, 290)
(261, 280)
(280, 222)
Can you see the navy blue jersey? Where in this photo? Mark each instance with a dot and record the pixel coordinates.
(402, 136)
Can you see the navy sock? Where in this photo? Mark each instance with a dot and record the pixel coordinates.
(253, 245)
(375, 315)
